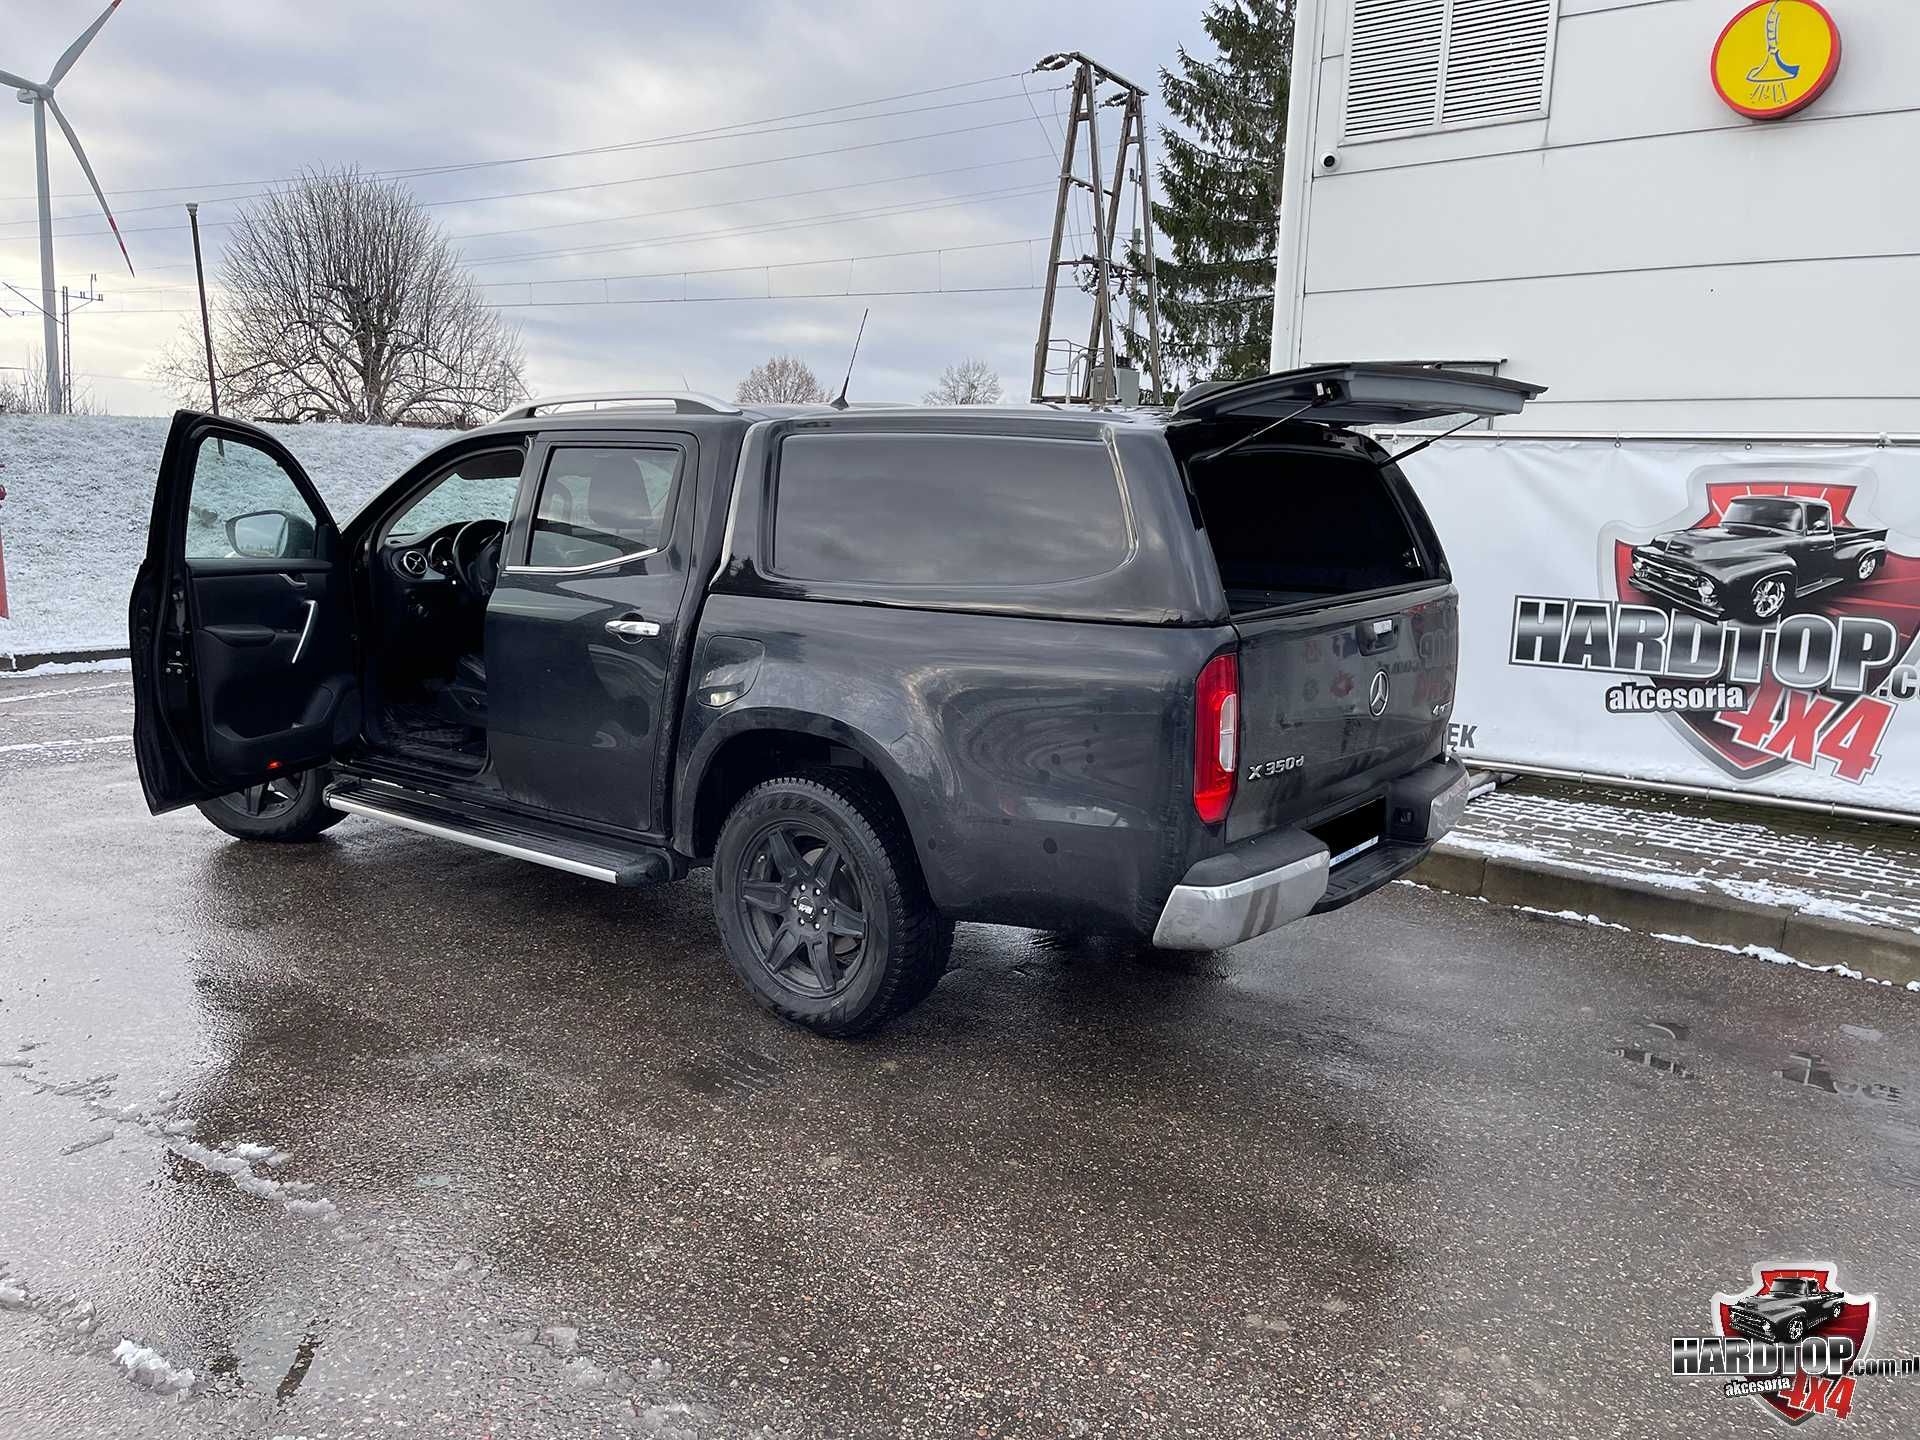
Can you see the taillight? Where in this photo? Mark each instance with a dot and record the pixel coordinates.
(1216, 737)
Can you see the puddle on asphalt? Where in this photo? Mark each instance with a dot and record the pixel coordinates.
(1811, 1072)
(733, 1074)
(302, 1362)
(1657, 1063)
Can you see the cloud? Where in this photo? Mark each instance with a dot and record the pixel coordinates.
(253, 90)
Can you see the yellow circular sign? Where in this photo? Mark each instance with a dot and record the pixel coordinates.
(1776, 57)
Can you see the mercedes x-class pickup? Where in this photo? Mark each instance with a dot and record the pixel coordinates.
(1180, 674)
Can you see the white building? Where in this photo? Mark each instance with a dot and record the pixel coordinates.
(1557, 185)
(1695, 222)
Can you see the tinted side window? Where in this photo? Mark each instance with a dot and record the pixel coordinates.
(600, 503)
(946, 510)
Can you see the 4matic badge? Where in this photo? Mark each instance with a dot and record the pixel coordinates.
(1795, 1341)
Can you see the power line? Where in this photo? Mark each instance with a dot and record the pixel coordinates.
(686, 299)
(764, 265)
(747, 200)
(761, 299)
(731, 232)
(837, 217)
(684, 138)
(612, 246)
(767, 264)
(610, 184)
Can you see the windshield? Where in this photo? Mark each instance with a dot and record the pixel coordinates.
(1773, 514)
(1791, 1285)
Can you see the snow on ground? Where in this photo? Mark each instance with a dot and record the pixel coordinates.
(73, 527)
(151, 1369)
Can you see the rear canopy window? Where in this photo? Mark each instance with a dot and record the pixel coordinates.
(1290, 526)
(946, 510)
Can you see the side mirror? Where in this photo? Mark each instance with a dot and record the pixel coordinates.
(271, 535)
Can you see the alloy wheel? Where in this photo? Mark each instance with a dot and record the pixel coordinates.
(1769, 597)
(801, 906)
(1868, 564)
(264, 802)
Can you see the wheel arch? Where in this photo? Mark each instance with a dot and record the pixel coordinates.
(744, 748)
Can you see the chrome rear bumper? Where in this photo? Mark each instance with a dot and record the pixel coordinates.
(1263, 884)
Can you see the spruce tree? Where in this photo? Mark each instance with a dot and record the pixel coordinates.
(1219, 193)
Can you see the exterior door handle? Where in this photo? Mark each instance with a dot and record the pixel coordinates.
(632, 628)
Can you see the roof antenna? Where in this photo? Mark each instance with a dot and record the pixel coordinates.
(839, 402)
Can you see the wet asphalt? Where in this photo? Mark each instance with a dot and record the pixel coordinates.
(528, 1162)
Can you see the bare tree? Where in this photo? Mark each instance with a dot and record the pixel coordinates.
(971, 382)
(340, 300)
(27, 395)
(783, 380)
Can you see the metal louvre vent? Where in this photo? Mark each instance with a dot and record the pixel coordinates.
(1496, 59)
(1393, 65)
(1420, 64)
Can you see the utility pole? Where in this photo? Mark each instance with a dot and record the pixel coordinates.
(66, 350)
(1099, 385)
(206, 324)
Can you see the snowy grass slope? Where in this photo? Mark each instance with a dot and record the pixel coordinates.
(79, 493)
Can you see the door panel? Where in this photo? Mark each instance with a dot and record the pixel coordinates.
(240, 621)
(581, 627)
(271, 673)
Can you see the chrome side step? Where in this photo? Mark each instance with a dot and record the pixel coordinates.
(595, 858)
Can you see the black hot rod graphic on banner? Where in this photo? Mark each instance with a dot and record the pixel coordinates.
(1756, 631)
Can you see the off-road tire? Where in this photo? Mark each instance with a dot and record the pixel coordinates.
(907, 943)
(301, 819)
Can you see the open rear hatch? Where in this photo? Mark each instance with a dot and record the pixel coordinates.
(1356, 394)
(1336, 583)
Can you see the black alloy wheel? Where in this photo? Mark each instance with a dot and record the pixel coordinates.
(284, 808)
(801, 909)
(821, 904)
(269, 801)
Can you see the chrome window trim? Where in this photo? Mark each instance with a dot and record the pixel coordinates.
(681, 454)
(579, 569)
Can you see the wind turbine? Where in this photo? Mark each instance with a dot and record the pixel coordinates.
(41, 98)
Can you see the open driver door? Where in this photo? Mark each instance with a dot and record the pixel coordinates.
(240, 621)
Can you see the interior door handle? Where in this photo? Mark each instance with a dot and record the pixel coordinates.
(306, 630)
(632, 628)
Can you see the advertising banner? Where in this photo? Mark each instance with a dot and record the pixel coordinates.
(1740, 617)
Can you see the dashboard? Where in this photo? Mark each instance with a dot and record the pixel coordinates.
(427, 558)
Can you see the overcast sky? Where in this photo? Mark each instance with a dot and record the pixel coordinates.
(212, 99)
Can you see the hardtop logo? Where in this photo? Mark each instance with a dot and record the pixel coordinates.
(1769, 631)
(1794, 1340)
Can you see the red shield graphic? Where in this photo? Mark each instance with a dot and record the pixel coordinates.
(1734, 739)
(1822, 1310)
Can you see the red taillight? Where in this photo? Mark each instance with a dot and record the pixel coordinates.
(1216, 737)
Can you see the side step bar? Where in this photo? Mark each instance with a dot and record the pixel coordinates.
(596, 857)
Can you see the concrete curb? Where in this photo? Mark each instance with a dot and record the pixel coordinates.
(9, 664)
(1884, 954)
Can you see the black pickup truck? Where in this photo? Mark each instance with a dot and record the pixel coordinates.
(1787, 1310)
(1766, 552)
(1184, 675)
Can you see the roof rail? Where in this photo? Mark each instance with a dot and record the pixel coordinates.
(684, 402)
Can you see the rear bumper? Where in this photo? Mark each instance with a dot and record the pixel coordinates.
(1287, 875)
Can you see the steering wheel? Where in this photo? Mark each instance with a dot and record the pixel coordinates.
(475, 554)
